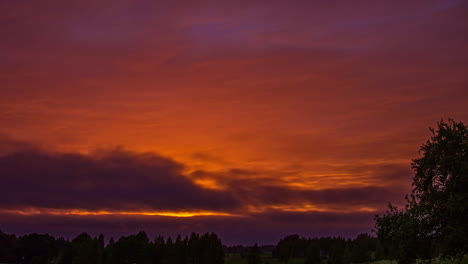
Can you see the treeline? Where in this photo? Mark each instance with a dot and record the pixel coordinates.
(252, 254)
(333, 250)
(84, 249)
(241, 249)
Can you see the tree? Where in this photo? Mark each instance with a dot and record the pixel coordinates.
(360, 249)
(7, 248)
(436, 213)
(212, 251)
(36, 248)
(441, 186)
(132, 249)
(338, 252)
(291, 246)
(253, 256)
(89, 252)
(313, 253)
(397, 231)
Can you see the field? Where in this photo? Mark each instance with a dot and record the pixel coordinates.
(266, 259)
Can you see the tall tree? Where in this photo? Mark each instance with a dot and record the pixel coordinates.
(360, 249)
(36, 249)
(434, 219)
(253, 256)
(313, 253)
(132, 249)
(7, 248)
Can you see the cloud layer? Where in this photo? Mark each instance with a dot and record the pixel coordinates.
(123, 180)
(125, 191)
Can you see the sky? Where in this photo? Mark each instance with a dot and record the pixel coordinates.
(251, 119)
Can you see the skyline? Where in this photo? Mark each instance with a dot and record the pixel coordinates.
(253, 119)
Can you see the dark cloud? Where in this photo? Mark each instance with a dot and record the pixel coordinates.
(115, 179)
(119, 180)
(123, 180)
(341, 199)
(265, 188)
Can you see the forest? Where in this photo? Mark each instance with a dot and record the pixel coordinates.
(84, 249)
(206, 248)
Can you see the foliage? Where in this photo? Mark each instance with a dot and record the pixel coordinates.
(36, 248)
(434, 220)
(45, 249)
(7, 247)
(327, 249)
(313, 253)
(362, 246)
(253, 256)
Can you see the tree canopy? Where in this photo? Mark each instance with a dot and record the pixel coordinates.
(434, 220)
(139, 249)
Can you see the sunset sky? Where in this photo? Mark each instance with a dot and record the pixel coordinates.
(252, 119)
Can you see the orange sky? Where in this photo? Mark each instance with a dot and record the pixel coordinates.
(246, 98)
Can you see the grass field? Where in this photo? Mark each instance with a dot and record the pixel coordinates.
(266, 259)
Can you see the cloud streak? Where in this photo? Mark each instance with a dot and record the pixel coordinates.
(262, 228)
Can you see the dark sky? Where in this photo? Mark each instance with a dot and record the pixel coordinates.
(252, 119)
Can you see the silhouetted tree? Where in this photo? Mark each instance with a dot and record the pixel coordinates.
(89, 252)
(8, 246)
(36, 249)
(132, 249)
(108, 252)
(212, 251)
(253, 255)
(159, 247)
(361, 249)
(289, 247)
(338, 252)
(434, 219)
(313, 253)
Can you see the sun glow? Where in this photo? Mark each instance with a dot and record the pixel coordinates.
(308, 208)
(80, 212)
(248, 210)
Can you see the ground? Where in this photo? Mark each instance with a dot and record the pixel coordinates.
(266, 259)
